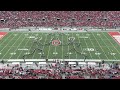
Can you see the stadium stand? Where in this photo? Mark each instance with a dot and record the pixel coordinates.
(15, 19)
(56, 70)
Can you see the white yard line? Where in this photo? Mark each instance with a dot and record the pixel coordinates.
(55, 50)
(44, 43)
(87, 47)
(103, 46)
(107, 47)
(100, 39)
(18, 45)
(29, 47)
(68, 45)
(59, 40)
(12, 45)
(62, 47)
(35, 51)
(75, 52)
(111, 43)
(55, 47)
(100, 46)
(94, 47)
(80, 45)
(8, 41)
(24, 46)
(48, 50)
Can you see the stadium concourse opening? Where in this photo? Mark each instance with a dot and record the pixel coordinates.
(60, 44)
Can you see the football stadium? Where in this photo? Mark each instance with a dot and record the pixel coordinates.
(59, 44)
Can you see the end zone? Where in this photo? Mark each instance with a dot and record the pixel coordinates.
(115, 36)
(2, 34)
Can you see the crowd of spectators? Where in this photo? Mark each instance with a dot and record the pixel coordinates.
(58, 70)
(15, 19)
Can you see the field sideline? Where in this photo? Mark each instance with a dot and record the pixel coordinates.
(93, 45)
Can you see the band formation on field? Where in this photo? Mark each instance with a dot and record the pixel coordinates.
(58, 45)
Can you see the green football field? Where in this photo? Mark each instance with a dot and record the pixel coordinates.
(89, 45)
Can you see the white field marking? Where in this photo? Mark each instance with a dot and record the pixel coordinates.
(80, 45)
(83, 52)
(75, 52)
(15, 34)
(94, 46)
(24, 46)
(40, 52)
(61, 41)
(18, 45)
(48, 49)
(40, 38)
(100, 39)
(77, 34)
(62, 47)
(25, 49)
(88, 34)
(69, 53)
(8, 41)
(107, 47)
(35, 51)
(100, 46)
(31, 45)
(55, 53)
(87, 47)
(68, 46)
(31, 37)
(83, 37)
(27, 53)
(98, 34)
(44, 43)
(111, 43)
(0, 53)
(97, 53)
(12, 45)
(12, 53)
(55, 48)
(113, 54)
